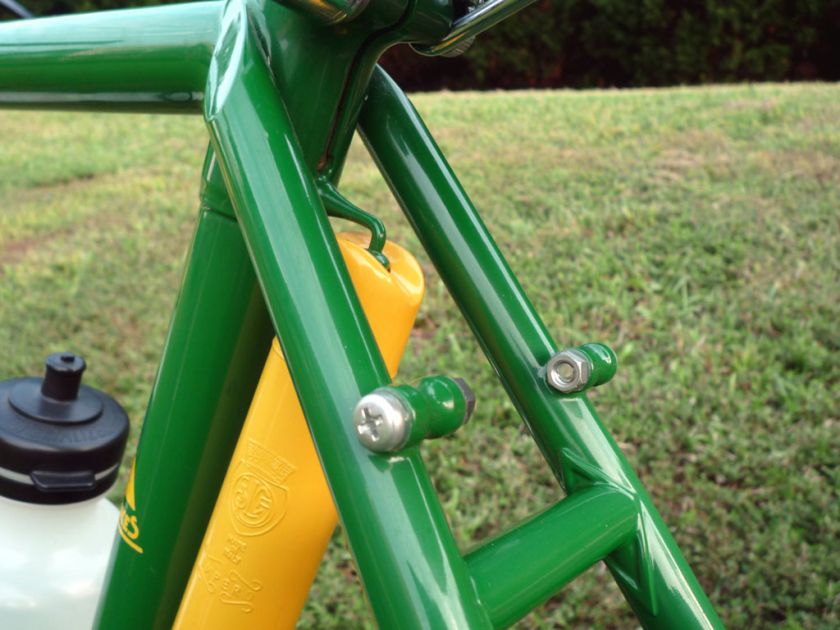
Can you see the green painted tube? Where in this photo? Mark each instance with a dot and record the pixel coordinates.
(323, 70)
(217, 343)
(329, 11)
(524, 567)
(407, 558)
(149, 60)
(652, 573)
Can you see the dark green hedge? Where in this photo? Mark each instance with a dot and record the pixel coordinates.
(642, 42)
(621, 43)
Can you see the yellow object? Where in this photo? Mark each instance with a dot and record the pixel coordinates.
(274, 515)
(127, 525)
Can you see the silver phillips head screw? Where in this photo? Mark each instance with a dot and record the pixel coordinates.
(383, 424)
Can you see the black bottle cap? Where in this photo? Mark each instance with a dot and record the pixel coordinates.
(60, 441)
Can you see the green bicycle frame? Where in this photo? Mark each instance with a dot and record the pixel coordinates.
(283, 88)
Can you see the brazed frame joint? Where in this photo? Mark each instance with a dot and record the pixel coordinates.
(391, 419)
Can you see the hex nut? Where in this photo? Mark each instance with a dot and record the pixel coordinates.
(383, 424)
(568, 371)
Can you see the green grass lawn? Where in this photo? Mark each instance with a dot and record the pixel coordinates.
(696, 231)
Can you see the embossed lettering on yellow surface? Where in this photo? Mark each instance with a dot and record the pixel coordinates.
(274, 515)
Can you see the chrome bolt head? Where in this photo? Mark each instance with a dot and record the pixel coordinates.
(568, 371)
(383, 424)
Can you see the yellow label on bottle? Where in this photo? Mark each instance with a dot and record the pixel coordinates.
(128, 526)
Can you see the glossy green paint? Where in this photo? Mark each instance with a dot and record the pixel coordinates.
(437, 406)
(282, 93)
(524, 567)
(603, 361)
(155, 59)
(340, 207)
(145, 60)
(410, 565)
(322, 71)
(217, 343)
(651, 571)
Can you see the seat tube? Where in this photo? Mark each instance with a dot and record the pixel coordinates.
(217, 343)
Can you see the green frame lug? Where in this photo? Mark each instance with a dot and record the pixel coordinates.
(604, 363)
(443, 405)
(337, 205)
(391, 419)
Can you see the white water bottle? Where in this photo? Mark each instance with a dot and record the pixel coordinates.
(61, 444)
